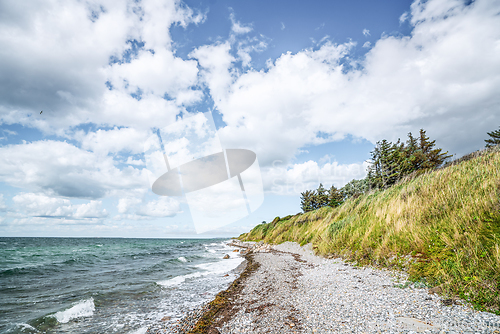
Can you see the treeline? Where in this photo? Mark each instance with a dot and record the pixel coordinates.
(390, 162)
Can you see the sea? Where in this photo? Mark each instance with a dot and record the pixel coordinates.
(107, 285)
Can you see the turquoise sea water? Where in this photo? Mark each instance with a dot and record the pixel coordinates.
(106, 285)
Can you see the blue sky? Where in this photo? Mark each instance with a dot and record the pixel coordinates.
(308, 86)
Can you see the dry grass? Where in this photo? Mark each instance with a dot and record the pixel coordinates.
(448, 221)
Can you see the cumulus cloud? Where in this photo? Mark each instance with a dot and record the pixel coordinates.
(62, 169)
(366, 32)
(163, 207)
(58, 56)
(444, 77)
(216, 63)
(39, 205)
(294, 179)
(128, 140)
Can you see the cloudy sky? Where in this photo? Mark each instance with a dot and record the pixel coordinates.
(309, 86)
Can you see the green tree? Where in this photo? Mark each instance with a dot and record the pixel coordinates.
(306, 201)
(392, 161)
(321, 197)
(335, 197)
(494, 140)
(433, 157)
(382, 168)
(355, 188)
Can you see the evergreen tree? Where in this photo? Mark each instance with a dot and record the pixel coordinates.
(494, 140)
(355, 188)
(392, 161)
(382, 168)
(335, 197)
(433, 158)
(306, 201)
(321, 197)
(415, 158)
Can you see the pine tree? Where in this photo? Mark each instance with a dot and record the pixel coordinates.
(415, 158)
(306, 201)
(321, 197)
(433, 156)
(335, 197)
(494, 140)
(382, 169)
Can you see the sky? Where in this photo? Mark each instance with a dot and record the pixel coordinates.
(309, 87)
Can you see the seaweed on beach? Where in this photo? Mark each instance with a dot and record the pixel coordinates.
(221, 308)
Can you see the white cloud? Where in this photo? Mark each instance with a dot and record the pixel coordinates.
(55, 57)
(131, 161)
(237, 27)
(135, 208)
(126, 204)
(3, 207)
(39, 205)
(62, 169)
(445, 77)
(159, 73)
(163, 207)
(294, 179)
(367, 44)
(404, 17)
(282, 26)
(216, 62)
(366, 32)
(128, 140)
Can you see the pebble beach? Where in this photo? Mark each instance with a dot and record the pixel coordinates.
(295, 291)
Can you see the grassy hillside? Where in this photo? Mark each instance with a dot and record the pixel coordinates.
(443, 227)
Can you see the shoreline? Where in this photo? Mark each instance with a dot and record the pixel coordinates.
(190, 320)
(294, 291)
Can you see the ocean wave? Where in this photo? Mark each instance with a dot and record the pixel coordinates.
(84, 308)
(23, 270)
(214, 268)
(182, 259)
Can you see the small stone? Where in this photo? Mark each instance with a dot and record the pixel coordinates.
(226, 256)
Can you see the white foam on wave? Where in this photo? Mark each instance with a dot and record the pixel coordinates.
(141, 330)
(84, 308)
(221, 267)
(207, 269)
(23, 326)
(182, 259)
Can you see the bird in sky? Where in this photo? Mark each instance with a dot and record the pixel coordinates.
(41, 112)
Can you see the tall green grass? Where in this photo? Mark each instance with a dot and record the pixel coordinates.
(442, 226)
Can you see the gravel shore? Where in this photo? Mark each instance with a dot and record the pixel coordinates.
(294, 291)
